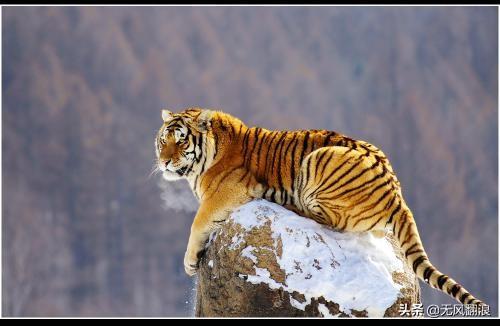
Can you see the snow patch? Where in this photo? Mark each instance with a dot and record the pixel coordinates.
(352, 269)
(211, 264)
(325, 312)
(211, 238)
(236, 241)
(262, 275)
(248, 253)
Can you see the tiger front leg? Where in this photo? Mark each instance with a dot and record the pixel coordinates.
(197, 238)
(209, 217)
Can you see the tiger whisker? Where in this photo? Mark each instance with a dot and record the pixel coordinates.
(154, 170)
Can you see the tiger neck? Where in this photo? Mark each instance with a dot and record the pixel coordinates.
(215, 147)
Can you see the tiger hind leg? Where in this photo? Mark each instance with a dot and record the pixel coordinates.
(339, 186)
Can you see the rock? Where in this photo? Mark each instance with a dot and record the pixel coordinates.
(268, 261)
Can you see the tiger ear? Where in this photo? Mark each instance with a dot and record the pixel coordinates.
(204, 120)
(166, 115)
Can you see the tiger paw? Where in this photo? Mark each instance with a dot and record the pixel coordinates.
(190, 263)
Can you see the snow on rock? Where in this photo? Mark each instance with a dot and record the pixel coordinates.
(353, 270)
(325, 312)
(340, 274)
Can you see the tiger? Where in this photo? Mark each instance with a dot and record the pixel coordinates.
(326, 176)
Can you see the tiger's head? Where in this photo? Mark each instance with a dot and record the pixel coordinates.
(181, 143)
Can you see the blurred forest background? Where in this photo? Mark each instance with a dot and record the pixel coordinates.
(87, 232)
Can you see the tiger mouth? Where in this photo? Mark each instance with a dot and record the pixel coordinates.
(182, 170)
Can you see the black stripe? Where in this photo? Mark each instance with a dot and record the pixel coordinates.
(344, 174)
(413, 252)
(323, 218)
(280, 172)
(380, 185)
(326, 163)
(233, 131)
(285, 200)
(343, 224)
(326, 139)
(216, 141)
(428, 272)
(195, 145)
(305, 143)
(292, 163)
(250, 150)
(442, 280)
(455, 289)
(205, 156)
(464, 297)
(263, 138)
(308, 169)
(372, 215)
(389, 204)
(222, 124)
(411, 247)
(356, 176)
(189, 170)
(368, 151)
(176, 122)
(408, 239)
(245, 137)
(472, 299)
(273, 193)
(319, 159)
(367, 217)
(320, 186)
(224, 177)
(245, 144)
(279, 144)
(402, 224)
(303, 177)
(258, 131)
(243, 176)
(268, 159)
(378, 176)
(256, 136)
(393, 213)
(376, 222)
(417, 262)
(385, 194)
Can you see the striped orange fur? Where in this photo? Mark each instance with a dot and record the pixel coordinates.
(323, 175)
